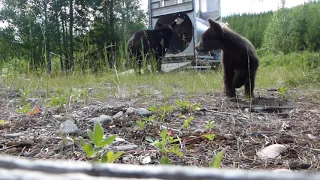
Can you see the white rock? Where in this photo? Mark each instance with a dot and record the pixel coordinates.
(272, 151)
(120, 139)
(57, 116)
(282, 170)
(146, 160)
(310, 136)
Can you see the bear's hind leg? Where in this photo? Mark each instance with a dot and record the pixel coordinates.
(229, 89)
(240, 78)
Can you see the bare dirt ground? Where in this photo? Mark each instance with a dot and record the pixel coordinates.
(296, 124)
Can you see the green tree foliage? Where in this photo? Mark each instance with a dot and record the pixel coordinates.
(285, 30)
(280, 34)
(294, 29)
(312, 36)
(68, 32)
(251, 26)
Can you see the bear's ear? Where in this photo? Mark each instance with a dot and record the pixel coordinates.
(215, 26)
(159, 25)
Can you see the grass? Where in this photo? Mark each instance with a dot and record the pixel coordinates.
(298, 71)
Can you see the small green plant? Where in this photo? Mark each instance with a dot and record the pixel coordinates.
(146, 120)
(186, 123)
(165, 110)
(209, 124)
(283, 91)
(59, 101)
(62, 97)
(26, 108)
(80, 95)
(209, 136)
(216, 161)
(141, 124)
(181, 116)
(110, 157)
(149, 119)
(3, 122)
(186, 106)
(161, 112)
(94, 151)
(164, 146)
(153, 108)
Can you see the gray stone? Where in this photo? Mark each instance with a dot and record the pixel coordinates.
(68, 127)
(143, 112)
(229, 136)
(118, 115)
(130, 110)
(126, 147)
(103, 119)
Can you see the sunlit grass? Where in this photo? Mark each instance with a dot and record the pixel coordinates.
(107, 84)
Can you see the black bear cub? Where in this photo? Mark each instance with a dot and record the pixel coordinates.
(239, 58)
(146, 42)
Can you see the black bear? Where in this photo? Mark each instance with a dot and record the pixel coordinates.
(239, 59)
(146, 42)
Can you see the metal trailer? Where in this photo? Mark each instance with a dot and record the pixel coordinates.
(191, 17)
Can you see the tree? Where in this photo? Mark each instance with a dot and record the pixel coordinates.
(69, 31)
(46, 35)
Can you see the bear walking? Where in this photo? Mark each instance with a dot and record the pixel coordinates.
(239, 59)
(147, 42)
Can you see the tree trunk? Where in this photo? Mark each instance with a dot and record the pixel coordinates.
(111, 16)
(111, 58)
(65, 42)
(71, 36)
(59, 34)
(46, 38)
(31, 46)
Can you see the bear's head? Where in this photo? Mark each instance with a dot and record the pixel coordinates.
(212, 38)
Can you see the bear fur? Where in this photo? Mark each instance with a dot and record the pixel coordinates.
(155, 42)
(239, 59)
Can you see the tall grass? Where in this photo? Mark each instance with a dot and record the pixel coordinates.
(295, 70)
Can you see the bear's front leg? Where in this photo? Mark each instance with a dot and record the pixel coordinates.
(229, 89)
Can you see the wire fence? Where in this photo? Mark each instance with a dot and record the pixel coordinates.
(27, 169)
